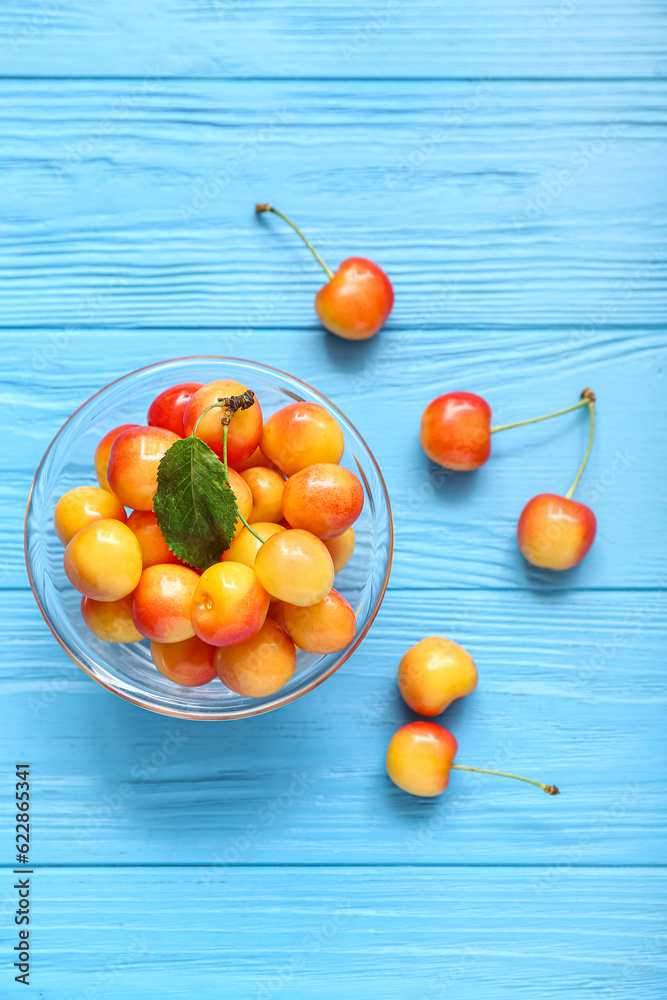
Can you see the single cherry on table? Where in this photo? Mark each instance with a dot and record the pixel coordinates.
(421, 756)
(556, 532)
(456, 429)
(434, 673)
(357, 300)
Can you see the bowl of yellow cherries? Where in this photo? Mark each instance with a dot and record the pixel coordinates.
(208, 538)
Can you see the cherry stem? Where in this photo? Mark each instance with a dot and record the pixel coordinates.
(589, 397)
(535, 420)
(213, 406)
(224, 403)
(225, 433)
(549, 789)
(263, 207)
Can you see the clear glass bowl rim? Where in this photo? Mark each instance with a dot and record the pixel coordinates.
(278, 702)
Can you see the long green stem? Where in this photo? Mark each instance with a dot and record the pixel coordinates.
(263, 207)
(213, 406)
(225, 433)
(549, 789)
(590, 400)
(535, 420)
(220, 405)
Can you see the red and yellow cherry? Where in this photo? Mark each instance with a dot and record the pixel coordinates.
(434, 673)
(133, 463)
(229, 604)
(357, 300)
(154, 549)
(325, 627)
(246, 545)
(111, 621)
(103, 560)
(101, 459)
(556, 532)
(266, 487)
(81, 506)
(258, 666)
(188, 663)
(162, 602)
(257, 458)
(168, 408)
(245, 427)
(456, 431)
(295, 566)
(324, 499)
(420, 757)
(341, 548)
(241, 491)
(276, 613)
(302, 434)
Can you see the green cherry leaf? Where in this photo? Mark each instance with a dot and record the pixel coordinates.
(194, 505)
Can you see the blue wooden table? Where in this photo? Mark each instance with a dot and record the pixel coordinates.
(505, 162)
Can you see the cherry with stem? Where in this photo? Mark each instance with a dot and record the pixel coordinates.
(230, 404)
(357, 299)
(420, 757)
(456, 429)
(556, 532)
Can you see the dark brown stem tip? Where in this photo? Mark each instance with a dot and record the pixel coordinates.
(551, 790)
(589, 395)
(235, 403)
(262, 206)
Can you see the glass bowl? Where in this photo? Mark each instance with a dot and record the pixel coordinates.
(127, 669)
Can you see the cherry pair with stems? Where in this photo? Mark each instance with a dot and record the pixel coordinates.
(554, 532)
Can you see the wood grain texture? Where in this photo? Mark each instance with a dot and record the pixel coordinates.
(537, 205)
(451, 530)
(505, 163)
(572, 692)
(383, 38)
(403, 934)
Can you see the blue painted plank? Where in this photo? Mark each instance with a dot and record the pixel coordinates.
(451, 530)
(524, 225)
(572, 692)
(380, 934)
(385, 38)
(543, 205)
